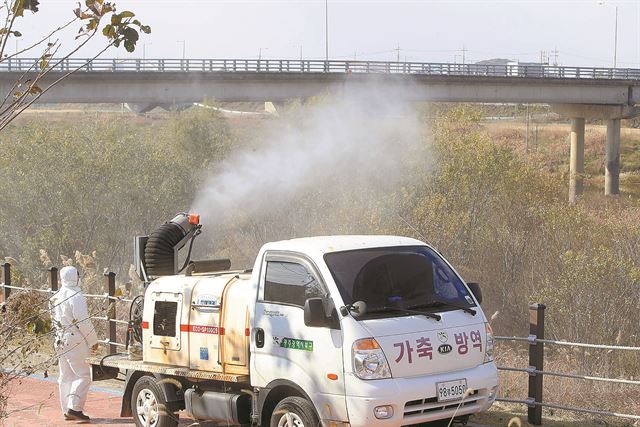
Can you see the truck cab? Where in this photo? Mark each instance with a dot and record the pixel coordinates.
(372, 330)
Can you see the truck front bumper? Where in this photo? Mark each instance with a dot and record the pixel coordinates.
(414, 400)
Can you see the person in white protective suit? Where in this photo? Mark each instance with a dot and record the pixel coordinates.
(75, 339)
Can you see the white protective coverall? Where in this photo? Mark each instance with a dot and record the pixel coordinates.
(75, 336)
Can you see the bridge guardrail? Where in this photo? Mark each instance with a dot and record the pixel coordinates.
(17, 64)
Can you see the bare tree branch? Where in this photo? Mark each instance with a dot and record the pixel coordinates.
(5, 121)
(42, 40)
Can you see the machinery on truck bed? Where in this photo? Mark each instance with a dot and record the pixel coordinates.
(336, 330)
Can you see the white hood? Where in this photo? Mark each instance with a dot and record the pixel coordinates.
(69, 277)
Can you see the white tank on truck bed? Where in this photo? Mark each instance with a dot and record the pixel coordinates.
(199, 322)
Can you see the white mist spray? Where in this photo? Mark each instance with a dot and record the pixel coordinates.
(364, 139)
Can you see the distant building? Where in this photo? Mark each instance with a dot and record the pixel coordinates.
(494, 67)
(495, 61)
(510, 67)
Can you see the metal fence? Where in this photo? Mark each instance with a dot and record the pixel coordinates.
(536, 372)
(109, 297)
(17, 64)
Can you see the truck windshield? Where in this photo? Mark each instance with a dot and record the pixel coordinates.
(413, 277)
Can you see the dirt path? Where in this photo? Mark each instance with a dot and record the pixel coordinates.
(34, 401)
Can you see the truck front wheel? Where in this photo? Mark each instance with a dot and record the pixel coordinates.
(294, 412)
(149, 406)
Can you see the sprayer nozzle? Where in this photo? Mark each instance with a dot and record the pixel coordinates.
(194, 219)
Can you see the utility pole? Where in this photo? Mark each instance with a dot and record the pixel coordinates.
(144, 50)
(615, 34)
(464, 51)
(397, 49)
(326, 30)
(615, 41)
(184, 45)
(544, 57)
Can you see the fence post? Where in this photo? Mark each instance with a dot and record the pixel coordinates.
(536, 360)
(53, 279)
(110, 284)
(6, 268)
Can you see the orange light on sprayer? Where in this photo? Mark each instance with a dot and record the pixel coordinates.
(194, 219)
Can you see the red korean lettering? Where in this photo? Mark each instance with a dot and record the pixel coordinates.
(476, 338)
(424, 348)
(461, 341)
(409, 351)
(401, 345)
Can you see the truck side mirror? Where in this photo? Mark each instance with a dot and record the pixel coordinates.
(314, 313)
(476, 291)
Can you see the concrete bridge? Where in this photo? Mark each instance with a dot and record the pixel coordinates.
(576, 92)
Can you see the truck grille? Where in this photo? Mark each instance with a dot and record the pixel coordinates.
(430, 405)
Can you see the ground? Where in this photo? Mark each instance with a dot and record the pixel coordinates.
(34, 401)
(516, 416)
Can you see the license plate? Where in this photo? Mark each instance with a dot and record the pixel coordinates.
(451, 390)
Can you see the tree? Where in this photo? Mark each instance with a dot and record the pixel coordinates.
(24, 321)
(96, 17)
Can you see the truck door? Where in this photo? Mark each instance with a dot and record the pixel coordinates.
(283, 348)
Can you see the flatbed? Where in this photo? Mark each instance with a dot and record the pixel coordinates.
(122, 362)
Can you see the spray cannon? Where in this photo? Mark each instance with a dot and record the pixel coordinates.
(158, 253)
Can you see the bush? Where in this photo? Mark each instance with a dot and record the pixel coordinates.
(69, 186)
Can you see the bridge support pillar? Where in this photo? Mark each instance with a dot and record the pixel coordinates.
(612, 164)
(576, 166)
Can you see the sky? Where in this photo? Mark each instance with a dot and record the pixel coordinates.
(575, 33)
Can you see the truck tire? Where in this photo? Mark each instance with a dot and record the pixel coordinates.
(294, 412)
(148, 405)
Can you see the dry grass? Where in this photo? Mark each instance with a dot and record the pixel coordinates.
(572, 392)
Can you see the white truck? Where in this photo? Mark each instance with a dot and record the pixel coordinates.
(335, 331)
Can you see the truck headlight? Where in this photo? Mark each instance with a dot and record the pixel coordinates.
(369, 361)
(488, 345)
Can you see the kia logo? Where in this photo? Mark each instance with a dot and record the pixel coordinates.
(444, 349)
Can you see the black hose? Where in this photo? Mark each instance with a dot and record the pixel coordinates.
(134, 328)
(159, 250)
(186, 261)
(108, 356)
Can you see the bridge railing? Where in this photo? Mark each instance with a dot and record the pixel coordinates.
(321, 66)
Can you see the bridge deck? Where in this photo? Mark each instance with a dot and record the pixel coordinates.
(168, 82)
